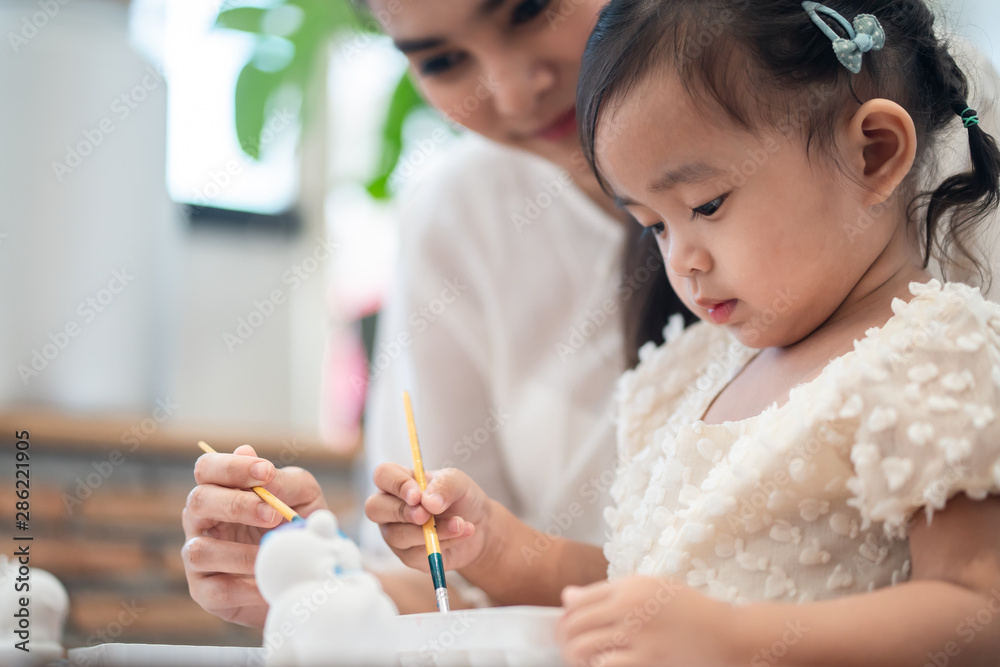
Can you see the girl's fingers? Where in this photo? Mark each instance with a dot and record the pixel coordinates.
(384, 508)
(398, 481)
(207, 555)
(591, 648)
(445, 488)
(574, 597)
(454, 528)
(402, 536)
(208, 504)
(409, 535)
(587, 618)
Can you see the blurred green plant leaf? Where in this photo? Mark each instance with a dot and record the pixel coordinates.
(265, 73)
(333, 14)
(254, 88)
(247, 19)
(405, 100)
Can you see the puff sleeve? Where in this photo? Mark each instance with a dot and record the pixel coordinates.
(926, 396)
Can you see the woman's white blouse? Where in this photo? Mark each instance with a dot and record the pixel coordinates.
(505, 326)
(812, 499)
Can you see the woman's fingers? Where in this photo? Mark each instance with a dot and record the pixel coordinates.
(252, 616)
(207, 555)
(298, 488)
(243, 469)
(223, 594)
(237, 471)
(208, 504)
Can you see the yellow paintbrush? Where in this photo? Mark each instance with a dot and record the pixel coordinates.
(430, 531)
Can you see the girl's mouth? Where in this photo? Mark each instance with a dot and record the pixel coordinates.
(721, 312)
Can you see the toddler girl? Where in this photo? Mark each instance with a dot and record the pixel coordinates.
(780, 462)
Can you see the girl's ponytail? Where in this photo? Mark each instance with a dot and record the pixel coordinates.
(965, 199)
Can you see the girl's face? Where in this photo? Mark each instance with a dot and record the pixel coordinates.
(756, 236)
(506, 69)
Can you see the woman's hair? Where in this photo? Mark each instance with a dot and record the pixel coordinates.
(764, 63)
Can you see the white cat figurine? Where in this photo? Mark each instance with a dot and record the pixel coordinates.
(37, 626)
(324, 609)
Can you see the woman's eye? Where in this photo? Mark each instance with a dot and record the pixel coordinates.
(711, 208)
(659, 229)
(440, 63)
(528, 10)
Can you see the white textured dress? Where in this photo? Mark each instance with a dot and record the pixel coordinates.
(813, 499)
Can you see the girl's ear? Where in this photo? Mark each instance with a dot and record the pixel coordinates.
(882, 142)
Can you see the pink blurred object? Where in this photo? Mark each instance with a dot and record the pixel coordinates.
(345, 383)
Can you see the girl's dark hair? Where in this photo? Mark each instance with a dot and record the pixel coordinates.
(765, 63)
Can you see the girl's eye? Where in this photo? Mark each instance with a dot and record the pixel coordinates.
(441, 63)
(528, 10)
(711, 208)
(659, 229)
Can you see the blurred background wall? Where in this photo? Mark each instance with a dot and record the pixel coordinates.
(170, 271)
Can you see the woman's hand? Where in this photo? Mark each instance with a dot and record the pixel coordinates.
(224, 521)
(644, 621)
(462, 509)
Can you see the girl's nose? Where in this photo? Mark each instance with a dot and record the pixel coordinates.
(686, 258)
(520, 81)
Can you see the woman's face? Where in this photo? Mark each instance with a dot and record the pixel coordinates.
(506, 69)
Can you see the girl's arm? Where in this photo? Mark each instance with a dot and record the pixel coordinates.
(948, 615)
(494, 550)
(521, 565)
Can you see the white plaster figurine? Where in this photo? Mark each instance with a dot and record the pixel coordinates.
(42, 619)
(324, 609)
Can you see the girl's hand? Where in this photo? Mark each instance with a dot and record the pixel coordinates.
(462, 509)
(224, 521)
(644, 621)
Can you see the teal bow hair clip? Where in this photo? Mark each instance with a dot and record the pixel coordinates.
(865, 35)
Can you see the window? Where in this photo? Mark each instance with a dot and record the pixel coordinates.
(206, 168)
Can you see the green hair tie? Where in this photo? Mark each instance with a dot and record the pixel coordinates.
(969, 117)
